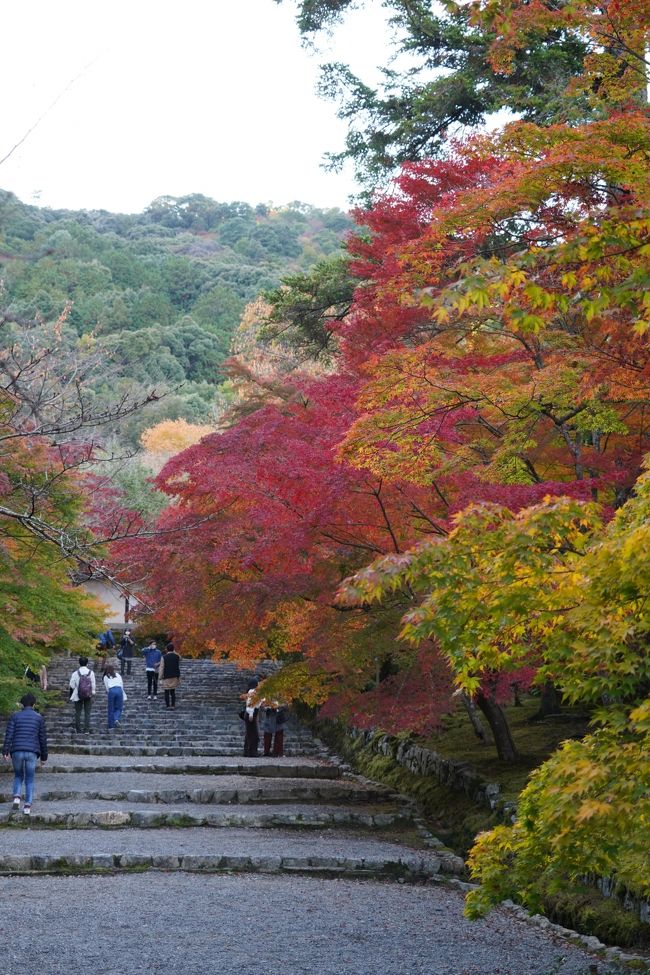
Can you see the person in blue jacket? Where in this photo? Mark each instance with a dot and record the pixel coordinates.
(152, 657)
(25, 742)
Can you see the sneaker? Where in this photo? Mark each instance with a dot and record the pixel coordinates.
(27, 810)
(148, 697)
(155, 697)
(16, 805)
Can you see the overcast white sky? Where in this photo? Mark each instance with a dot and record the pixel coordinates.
(194, 96)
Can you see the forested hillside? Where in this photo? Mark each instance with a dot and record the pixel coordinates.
(158, 293)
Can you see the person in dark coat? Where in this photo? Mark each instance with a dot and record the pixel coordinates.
(152, 657)
(274, 722)
(249, 715)
(126, 652)
(170, 674)
(25, 742)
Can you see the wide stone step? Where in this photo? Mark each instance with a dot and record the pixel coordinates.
(148, 788)
(145, 734)
(304, 768)
(234, 747)
(155, 713)
(335, 852)
(119, 750)
(99, 814)
(144, 738)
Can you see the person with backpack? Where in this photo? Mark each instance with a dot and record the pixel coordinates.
(82, 692)
(25, 742)
(126, 653)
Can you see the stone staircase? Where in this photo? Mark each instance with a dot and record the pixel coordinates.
(170, 790)
(205, 721)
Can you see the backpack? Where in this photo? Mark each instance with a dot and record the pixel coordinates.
(85, 686)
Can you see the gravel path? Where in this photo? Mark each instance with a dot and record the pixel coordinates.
(245, 925)
(86, 782)
(199, 841)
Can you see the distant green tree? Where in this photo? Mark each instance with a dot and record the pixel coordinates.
(446, 82)
(307, 307)
(218, 309)
(182, 280)
(134, 480)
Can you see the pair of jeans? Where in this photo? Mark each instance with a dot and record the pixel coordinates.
(170, 698)
(125, 664)
(84, 705)
(152, 682)
(24, 764)
(115, 705)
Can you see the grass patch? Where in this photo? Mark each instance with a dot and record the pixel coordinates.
(534, 741)
(404, 835)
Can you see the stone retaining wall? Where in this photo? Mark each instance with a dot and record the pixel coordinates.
(457, 776)
(461, 777)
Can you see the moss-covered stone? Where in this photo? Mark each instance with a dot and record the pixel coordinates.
(585, 910)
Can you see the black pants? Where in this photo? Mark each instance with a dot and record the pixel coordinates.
(125, 664)
(86, 706)
(251, 740)
(170, 698)
(152, 682)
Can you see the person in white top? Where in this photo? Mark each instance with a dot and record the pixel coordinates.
(116, 696)
(82, 692)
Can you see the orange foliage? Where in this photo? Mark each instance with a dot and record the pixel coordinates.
(170, 437)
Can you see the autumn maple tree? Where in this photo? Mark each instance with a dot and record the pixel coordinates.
(55, 515)
(585, 810)
(478, 417)
(493, 352)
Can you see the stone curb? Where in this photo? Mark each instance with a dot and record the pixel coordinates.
(592, 944)
(610, 953)
(216, 796)
(180, 818)
(155, 752)
(319, 772)
(403, 869)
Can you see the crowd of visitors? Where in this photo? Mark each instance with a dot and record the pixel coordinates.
(25, 740)
(273, 718)
(159, 665)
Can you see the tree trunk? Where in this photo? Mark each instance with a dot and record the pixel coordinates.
(468, 704)
(549, 702)
(515, 694)
(499, 727)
